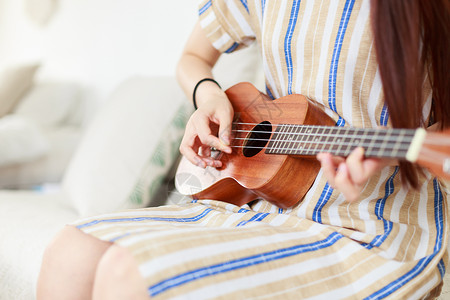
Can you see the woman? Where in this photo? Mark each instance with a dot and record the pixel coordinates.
(360, 232)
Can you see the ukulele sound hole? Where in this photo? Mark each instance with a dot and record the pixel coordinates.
(257, 139)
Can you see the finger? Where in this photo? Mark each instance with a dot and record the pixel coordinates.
(354, 163)
(205, 151)
(345, 185)
(193, 157)
(205, 155)
(189, 150)
(225, 119)
(373, 165)
(336, 160)
(205, 136)
(328, 167)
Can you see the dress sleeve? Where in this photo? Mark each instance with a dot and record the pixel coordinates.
(227, 24)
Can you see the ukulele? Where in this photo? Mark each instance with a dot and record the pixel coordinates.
(274, 146)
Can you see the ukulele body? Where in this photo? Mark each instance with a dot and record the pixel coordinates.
(247, 173)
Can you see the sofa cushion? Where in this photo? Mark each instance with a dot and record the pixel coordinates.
(62, 143)
(14, 83)
(118, 143)
(21, 141)
(50, 103)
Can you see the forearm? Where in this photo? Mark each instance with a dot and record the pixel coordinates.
(191, 69)
(196, 63)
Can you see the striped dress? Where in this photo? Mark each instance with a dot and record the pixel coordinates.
(392, 243)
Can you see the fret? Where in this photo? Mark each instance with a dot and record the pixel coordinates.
(334, 147)
(316, 137)
(309, 137)
(279, 144)
(370, 150)
(270, 149)
(397, 145)
(286, 139)
(327, 136)
(300, 144)
(385, 141)
(319, 139)
(365, 138)
(354, 141)
(341, 140)
(295, 138)
(291, 137)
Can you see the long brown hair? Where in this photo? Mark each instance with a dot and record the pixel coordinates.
(412, 38)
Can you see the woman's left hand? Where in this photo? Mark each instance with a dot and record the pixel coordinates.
(350, 175)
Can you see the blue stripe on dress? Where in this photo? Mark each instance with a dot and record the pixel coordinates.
(263, 6)
(269, 93)
(327, 191)
(140, 219)
(335, 58)
(441, 267)
(241, 263)
(423, 263)
(256, 218)
(119, 237)
(384, 116)
(244, 3)
(323, 199)
(205, 7)
(232, 48)
(287, 42)
(379, 212)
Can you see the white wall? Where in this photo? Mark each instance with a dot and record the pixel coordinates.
(98, 43)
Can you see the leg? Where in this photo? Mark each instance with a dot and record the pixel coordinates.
(69, 265)
(118, 277)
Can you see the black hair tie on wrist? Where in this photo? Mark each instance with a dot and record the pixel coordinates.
(196, 86)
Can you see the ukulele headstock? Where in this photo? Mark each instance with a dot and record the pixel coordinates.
(435, 154)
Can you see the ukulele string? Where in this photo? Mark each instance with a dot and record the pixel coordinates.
(316, 150)
(389, 130)
(376, 139)
(388, 146)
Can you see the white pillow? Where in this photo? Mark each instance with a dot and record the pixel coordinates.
(50, 103)
(14, 83)
(119, 142)
(20, 141)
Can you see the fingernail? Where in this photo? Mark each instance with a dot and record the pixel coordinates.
(342, 167)
(361, 151)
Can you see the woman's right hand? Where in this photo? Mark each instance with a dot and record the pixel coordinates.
(209, 126)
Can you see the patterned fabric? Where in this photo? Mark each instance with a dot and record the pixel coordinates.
(163, 158)
(392, 243)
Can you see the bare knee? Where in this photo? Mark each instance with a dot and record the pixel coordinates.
(60, 245)
(69, 263)
(117, 262)
(118, 276)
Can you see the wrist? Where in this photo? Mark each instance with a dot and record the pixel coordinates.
(204, 90)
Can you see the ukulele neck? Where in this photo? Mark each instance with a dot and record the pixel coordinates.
(306, 140)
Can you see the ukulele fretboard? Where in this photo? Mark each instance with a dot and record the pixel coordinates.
(309, 140)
